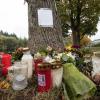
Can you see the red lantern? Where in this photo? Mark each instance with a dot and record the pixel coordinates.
(44, 80)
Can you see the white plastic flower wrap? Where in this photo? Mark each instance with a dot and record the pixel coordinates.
(68, 58)
(70, 55)
(47, 59)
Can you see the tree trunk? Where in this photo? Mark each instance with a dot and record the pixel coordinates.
(76, 38)
(41, 37)
(75, 22)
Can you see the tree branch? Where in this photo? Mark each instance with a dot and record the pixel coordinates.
(82, 35)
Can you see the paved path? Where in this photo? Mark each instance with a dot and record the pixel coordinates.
(96, 64)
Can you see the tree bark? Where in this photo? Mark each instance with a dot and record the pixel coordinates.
(39, 37)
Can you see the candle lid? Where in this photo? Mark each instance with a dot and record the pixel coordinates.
(56, 65)
(25, 49)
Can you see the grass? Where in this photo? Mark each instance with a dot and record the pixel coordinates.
(95, 49)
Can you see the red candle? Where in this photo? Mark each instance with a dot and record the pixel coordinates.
(6, 61)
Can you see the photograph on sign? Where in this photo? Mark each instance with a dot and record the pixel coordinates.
(45, 17)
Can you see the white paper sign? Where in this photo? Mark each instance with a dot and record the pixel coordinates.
(45, 17)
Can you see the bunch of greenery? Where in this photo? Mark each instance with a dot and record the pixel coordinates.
(17, 55)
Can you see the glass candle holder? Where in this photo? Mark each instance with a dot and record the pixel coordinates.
(20, 76)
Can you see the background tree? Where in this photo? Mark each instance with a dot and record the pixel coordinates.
(22, 42)
(81, 16)
(85, 41)
(9, 42)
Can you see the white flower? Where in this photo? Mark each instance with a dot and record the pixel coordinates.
(48, 59)
(58, 56)
(70, 55)
(37, 55)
